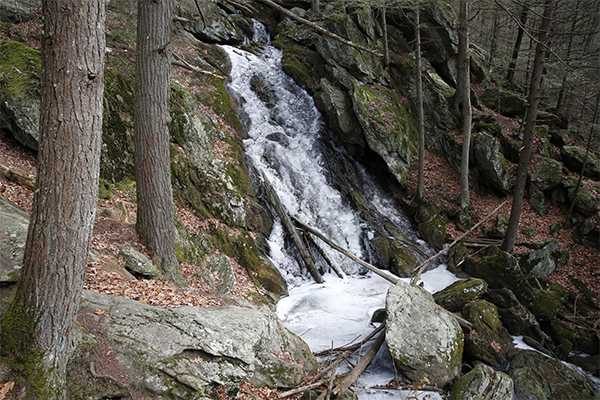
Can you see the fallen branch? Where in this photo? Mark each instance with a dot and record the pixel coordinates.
(180, 62)
(425, 263)
(291, 229)
(329, 261)
(355, 346)
(364, 362)
(345, 252)
(317, 28)
(19, 178)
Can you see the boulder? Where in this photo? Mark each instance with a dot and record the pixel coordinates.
(547, 175)
(457, 295)
(221, 266)
(424, 341)
(211, 24)
(498, 231)
(586, 203)
(14, 12)
(483, 382)
(490, 164)
(537, 263)
(137, 263)
(515, 317)
(573, 158)
(19, 95)
(14, 224)
(548, 301)
(503, 101)
(488, 342)
(539, 377)
(188, 349)
(341, 117)
(389, 128)
(537, 199)
(546, 149)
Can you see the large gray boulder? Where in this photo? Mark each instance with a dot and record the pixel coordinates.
(537, 263)
(163, 351)
(547, 175)
(20, 96)
(424, 341)
(490, 164)
(211, 24)
(14, 224)
(503, 101)
(482, 382)
(539, 377)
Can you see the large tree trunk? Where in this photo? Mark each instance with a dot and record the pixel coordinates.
(155, 215)
(464, 83)
(515, 53)
(536, 80)
(43, 312)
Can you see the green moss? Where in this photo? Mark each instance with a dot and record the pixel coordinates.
(20, 69)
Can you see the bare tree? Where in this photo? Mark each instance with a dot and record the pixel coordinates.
(421, 114)
(38, 326)
(464, 99)
(536, 79)
(155, 216)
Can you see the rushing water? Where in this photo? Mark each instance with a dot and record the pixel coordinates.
(285, 141)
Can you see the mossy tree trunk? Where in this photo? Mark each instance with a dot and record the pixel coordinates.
(39, 323)
(155, 214)
(528, 133)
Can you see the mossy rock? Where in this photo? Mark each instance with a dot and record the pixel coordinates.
(402, 261)
(488, 342)
(548, 301)
(500, 269)
(537, 199)
(434, 232)
(537, 376)
(20, 81)
(510, 148)
(517, 318)
(573, 157)
(460, 293)
(541, 131)
(498, 231)
(458, 253)
(547, 175)
(505, 102)
(546, 149)
(586, 203)
(482, 382)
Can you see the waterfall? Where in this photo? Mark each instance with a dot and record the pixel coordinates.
(288, 141)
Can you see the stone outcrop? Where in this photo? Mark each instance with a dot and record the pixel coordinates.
(505, 102)
(185, 349)
(424, 341)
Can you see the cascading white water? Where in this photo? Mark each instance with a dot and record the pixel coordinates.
(284, 129)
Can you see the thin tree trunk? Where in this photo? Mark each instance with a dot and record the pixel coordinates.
(493, 40)
(386, 45)
(515, 53)
(464, 82)
(522, 169)
(43, 313)
(155, 216)
(561, 94)
(419, 79)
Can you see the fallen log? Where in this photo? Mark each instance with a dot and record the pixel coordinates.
(291, 229)
(364, 362)
(419, 269)
(345, 252)
(329, 261)
(19, 178)
(352, 347)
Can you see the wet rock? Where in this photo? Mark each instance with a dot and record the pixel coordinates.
(505, 102)
(456, 296)
(488, 342)
(424, 341)
(162, 350)
(137, 263)
(538, 377)
(490, 164)
(573, 158)
(211, 24)
(590, 364)
(14, 224)
(483, 382)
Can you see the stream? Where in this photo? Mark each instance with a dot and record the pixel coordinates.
(285, 140)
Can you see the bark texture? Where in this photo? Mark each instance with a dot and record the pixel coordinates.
(421, 114)
(42, 315)
(155, 214)
(528, 133)
(464, 82)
